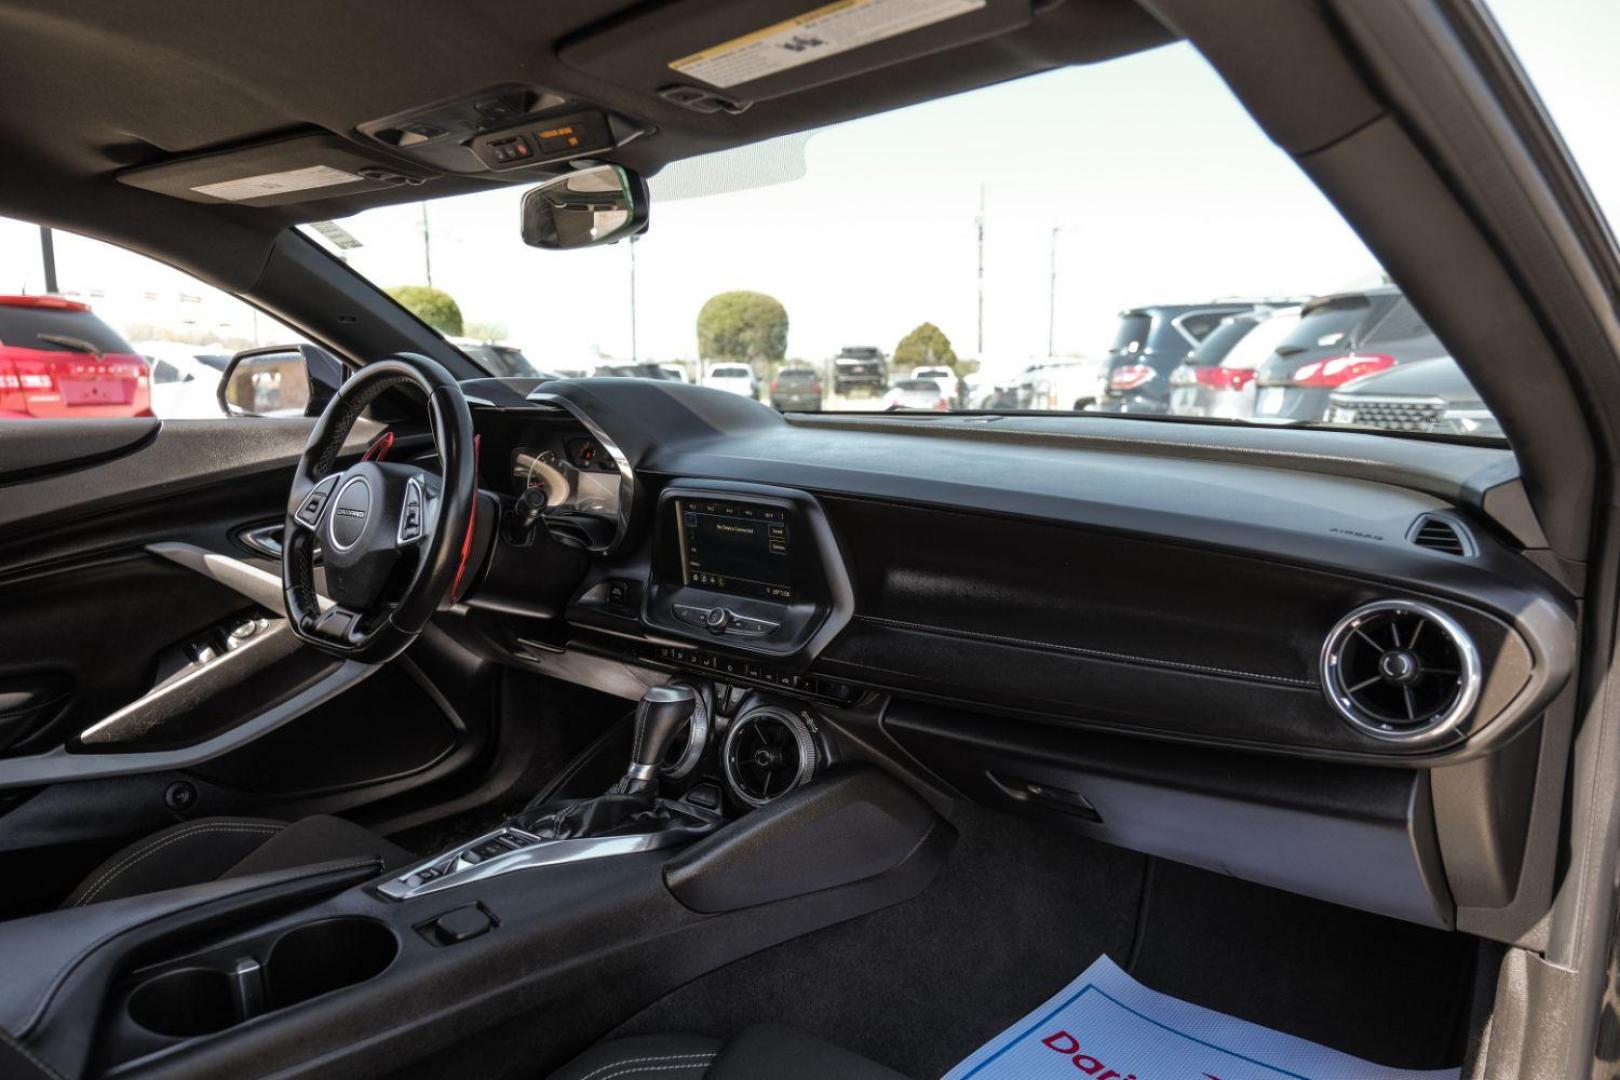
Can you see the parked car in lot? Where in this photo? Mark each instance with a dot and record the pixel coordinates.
(1339, 338)
(184, 378)
(1217, 379)
(59, 360)
(1429, 396)
(860, 369)
(916, 394)
(1063, 385)
(796, 389)
(647, 370)
(497, 358)
(1150, 343)
(949, 384)
(735, 378)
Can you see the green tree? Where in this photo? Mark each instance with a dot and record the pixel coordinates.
(926, 346)
(433, 306)
(745, 326)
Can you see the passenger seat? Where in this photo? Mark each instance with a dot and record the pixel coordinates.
(762, 1052)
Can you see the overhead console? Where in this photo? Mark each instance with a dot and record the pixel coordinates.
(746, 567)
(502, 128)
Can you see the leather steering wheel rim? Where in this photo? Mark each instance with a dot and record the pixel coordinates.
(418, 563)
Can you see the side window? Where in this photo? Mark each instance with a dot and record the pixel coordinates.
(1201, 324)
(89, 330)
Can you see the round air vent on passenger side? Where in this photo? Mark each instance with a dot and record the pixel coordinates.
(768, 752)
(1401, 671)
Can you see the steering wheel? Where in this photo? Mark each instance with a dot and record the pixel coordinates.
(392, 536)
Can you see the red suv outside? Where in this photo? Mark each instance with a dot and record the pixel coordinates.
(59, 361)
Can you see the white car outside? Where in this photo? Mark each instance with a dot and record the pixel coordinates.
(1067, 384)
(944, 376)
(184, 387)
(734, 378)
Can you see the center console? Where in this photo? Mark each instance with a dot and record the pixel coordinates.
(746, 567)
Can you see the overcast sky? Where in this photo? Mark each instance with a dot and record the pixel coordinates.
(1161, 187)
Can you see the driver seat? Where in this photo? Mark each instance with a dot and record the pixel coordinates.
(212, 848)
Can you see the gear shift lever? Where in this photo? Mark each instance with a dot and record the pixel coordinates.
(633, 801)
(659, 716)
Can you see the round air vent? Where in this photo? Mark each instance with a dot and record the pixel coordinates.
(768, 752)
(686, 748)
(1401, 670)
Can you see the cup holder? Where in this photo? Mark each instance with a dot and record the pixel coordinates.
(322, 956)
(185, 1003)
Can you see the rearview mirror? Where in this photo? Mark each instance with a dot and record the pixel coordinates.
(582, 209)
(280, 380)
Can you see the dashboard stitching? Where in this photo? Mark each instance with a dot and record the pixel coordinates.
(1099, 653)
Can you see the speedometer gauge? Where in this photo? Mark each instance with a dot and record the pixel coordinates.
(542, 470)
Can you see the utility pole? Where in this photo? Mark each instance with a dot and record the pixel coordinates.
(979, 222)
(635, 354)
(1051, 295)
(427, 246)
(47, 252)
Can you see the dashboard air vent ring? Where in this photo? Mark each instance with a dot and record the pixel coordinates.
(1401, 671)
(768, 752)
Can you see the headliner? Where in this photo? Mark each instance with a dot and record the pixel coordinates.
(95, 89)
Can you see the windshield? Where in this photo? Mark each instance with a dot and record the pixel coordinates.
(957, 239)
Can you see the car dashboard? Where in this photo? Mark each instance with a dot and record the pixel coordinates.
(1324, 661)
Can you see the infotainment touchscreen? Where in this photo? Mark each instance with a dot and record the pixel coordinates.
(735, 547)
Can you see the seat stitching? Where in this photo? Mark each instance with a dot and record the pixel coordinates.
(134, 857)
(600, 1069)
(663, 1066)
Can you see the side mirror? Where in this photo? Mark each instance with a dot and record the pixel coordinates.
(582, 209)
(280, 380)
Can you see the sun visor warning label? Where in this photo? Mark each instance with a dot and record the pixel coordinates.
(278, 183)
(815, 35)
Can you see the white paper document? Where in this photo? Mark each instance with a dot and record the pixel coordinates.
(1107, 1026)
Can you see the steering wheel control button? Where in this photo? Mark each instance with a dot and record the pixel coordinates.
(350, 512)
(410, 514)
(309, 513)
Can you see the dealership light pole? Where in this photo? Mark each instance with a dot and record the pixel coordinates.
(979, 223)
(1051, 294)
(635, 355)
(47, 252)
(427, 247)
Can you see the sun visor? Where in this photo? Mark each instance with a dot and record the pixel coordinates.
(302, 168)
(714, 57)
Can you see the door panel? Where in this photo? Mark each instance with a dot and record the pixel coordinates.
(115, 571)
